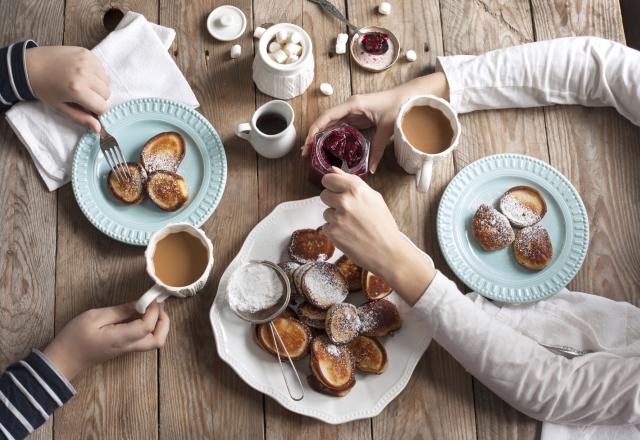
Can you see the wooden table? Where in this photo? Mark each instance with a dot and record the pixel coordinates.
(54, 264)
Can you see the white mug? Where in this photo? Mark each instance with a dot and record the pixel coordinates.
(417, 162)
(161, 291)
(271, 146)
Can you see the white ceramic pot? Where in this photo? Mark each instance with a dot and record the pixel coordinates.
(283, 81)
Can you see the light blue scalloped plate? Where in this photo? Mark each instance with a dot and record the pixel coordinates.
(497, 275)
(132, 123)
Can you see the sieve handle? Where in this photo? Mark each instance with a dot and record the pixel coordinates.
(275, 333)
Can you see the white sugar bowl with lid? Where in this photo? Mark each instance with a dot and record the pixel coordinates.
(279, 71)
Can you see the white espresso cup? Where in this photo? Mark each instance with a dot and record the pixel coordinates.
(417, 162)
(161, 291)
(271, 146)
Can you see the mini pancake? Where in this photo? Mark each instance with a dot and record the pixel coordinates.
(323, 285)
(167, 190)
(163, 152)
(370, 355)
(288, 267)
(129, 191)
(491, 228)
(532, 247)
(342, 323)
(333, 365)
(379, 318)
(351, 272)
(523, 206)
(308, 245)
(312, 316)
(295, 335)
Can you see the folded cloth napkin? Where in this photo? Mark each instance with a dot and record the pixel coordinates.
(583, 322)
(136, 60)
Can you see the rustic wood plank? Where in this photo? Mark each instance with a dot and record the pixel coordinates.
(200, 396)
(597, 149)
(286, 179)
(119, 398)
(440, 391)
(27, 213)
(472, 27)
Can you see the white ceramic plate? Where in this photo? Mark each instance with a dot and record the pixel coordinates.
(268, 241)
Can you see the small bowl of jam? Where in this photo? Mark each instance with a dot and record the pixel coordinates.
(342, 146)
(374, 48)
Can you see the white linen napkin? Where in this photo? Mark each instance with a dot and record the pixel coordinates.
(136, 60)
(581, 321)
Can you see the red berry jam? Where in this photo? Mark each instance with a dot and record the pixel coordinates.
(341, 146)
(375, 43)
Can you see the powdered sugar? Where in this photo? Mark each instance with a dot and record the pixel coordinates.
(254, 287)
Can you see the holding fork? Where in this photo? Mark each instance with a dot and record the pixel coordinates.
(113, 155)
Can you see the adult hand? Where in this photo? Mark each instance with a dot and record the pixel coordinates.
(71, 80)
(98, 335)
(377, 109)
(361, 225)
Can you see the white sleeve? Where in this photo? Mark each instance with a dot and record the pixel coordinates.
(589, 71)
(598, 388)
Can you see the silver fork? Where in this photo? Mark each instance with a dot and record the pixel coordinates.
(113, 155)
(565, 351)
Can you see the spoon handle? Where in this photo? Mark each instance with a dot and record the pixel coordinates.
(324, 4)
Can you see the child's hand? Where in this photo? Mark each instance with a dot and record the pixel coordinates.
(71, 80)
(377, 109)
(98, 335)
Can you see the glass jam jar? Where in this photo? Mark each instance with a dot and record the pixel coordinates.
(342, 146)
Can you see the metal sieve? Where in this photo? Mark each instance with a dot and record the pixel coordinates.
(267, 316)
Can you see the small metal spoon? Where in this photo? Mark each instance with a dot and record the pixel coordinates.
(324, 4)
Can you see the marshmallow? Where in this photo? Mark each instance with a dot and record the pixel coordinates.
(274, 47)
(295, 37)
(341, 48)
(292, 49)
(342, 39)
(279, 57)
(384, 8)
(257, 32)
(282, 36)
(236, 50)
(326, 89)
(411, 55)
(292, 59)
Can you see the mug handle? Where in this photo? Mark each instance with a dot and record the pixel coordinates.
(156, 293)
(423, 176)
(243, 130)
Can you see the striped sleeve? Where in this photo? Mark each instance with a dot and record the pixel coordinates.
(30, 390)
(14, 79)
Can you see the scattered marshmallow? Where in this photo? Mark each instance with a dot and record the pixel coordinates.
(257, 32)
(341, 48)
(236, 50)
(342, 39)
(292, 59)
(274, 47)
(411, 55)
(292, 49)
(282, 36)
(384, 8)
(326, 89)
(279, 56)
(295, 37)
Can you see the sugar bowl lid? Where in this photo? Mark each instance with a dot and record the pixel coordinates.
(226, 23)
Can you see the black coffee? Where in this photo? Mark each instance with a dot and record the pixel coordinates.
(271, 123)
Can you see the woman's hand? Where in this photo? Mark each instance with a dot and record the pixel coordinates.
(71, 80)
(98, 335)
(361, 225)
(377, 109)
